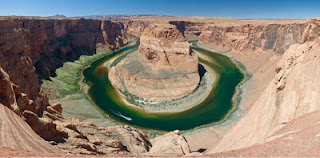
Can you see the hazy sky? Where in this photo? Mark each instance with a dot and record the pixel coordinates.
(219, 8)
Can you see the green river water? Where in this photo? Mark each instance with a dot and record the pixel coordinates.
(212, 110)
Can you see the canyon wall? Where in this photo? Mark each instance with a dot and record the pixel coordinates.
(136, 27)
(257, 38)
(32, 47)
(191, 30)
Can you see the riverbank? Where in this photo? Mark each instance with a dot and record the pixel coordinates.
(68, 89)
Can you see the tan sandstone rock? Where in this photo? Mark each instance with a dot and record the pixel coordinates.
(170, 144)
(164, 68)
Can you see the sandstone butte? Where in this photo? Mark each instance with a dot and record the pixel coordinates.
(164, 68)
(281, 100)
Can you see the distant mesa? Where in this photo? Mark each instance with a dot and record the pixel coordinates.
(163, 68)
(58, 16)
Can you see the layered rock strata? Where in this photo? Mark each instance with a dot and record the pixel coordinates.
(32, 49)
(164, 68)
(35, 47)
(259, 38)
(191, 30)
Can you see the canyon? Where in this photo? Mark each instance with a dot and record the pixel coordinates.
(280, 101)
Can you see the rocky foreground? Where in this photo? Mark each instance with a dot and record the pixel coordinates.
(164, 68)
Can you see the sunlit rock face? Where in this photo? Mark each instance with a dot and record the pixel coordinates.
(163, 68)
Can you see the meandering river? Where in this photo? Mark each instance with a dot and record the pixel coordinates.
(212, 110)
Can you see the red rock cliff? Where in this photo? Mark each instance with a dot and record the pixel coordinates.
(31, 47)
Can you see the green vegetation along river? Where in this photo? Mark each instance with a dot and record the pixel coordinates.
(213, 109)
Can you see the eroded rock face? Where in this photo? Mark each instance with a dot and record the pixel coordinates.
(136, 27)
(32, 48)
(166, 48)
(70, 135)
(259, 38)
(164, 68)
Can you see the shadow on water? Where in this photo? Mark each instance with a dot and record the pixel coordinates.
(202, 70)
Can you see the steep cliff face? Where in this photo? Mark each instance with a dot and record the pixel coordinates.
(164, 68)
(259, 38)
(32, 48)
(191, 30)
(275, 37)
(28, 46)
(136, 27)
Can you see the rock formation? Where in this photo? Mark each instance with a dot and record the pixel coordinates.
(170, 144)
(17, 134)
(14, 131)
(136, 27)
(191, 30)
(165, 67)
